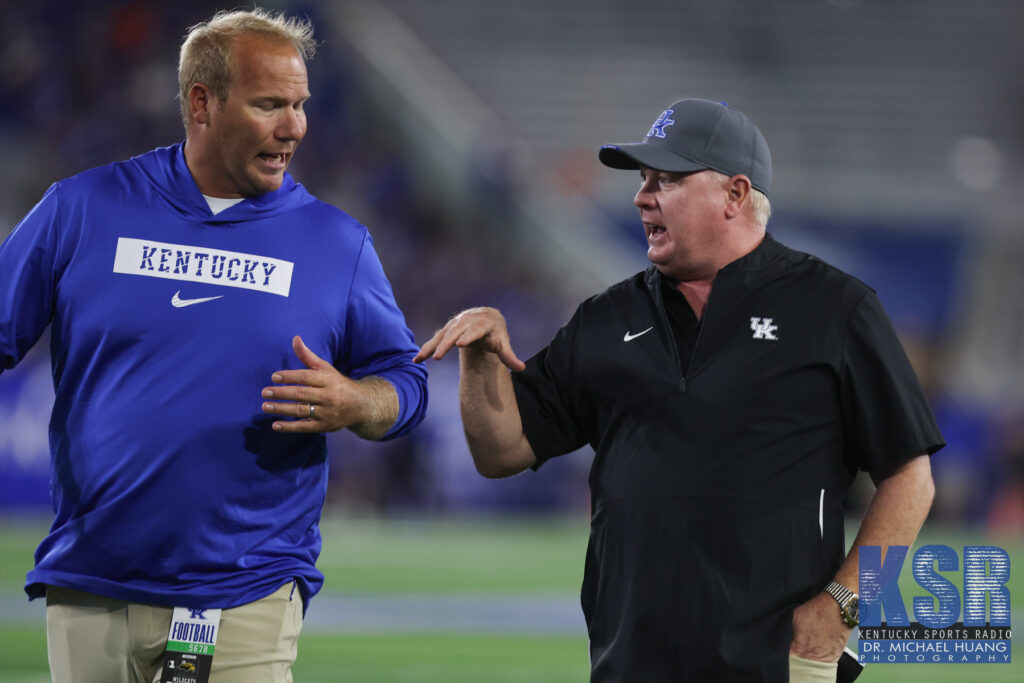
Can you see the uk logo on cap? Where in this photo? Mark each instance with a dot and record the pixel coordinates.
(659, 126)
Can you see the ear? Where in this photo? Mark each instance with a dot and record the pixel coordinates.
(200, 100)
(738, 188)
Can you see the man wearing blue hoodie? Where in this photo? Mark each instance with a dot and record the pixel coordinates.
(210, 321)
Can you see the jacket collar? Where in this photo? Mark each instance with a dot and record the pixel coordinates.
(768, 254)
(764, 255)
(736, 281)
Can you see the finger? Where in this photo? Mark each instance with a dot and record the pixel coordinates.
(309, 378)
(428, 348)
(293, 392)
(471, 334)
(510, 359)
(297, 410)
(297, 427)
(310, 359)
(449, 338)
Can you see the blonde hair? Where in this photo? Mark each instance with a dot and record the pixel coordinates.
(761, 206)
(206, 52)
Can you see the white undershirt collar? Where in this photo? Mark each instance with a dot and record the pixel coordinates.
(218, 204)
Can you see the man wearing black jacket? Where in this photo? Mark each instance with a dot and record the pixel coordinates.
(731, 392)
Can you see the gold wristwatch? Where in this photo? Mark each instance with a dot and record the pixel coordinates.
(848, 602)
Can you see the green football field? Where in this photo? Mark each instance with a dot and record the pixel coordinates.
(447, 569)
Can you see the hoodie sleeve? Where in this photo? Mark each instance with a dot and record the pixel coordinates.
(29, 275)
(378, 342)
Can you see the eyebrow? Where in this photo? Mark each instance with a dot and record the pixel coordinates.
(277, 99)
(668, 174)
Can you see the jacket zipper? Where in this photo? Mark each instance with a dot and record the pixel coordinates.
(665, 325)
(700, 333)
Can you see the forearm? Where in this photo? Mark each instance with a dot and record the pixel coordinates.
(490, 415)
(894, 516)
(378, 407)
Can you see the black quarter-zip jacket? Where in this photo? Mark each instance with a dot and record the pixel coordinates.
(717, 482)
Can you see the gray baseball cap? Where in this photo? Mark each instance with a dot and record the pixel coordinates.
(694, 135)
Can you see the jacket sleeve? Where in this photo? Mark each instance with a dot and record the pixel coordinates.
(29, 275)
(378, 342)
(886, 416)
(547, 394)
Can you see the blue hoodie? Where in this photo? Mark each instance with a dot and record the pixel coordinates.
(168, 483)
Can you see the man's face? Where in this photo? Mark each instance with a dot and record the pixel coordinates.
(681, 214)
(255, 130)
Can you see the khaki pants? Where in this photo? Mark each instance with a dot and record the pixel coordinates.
(809, 671)
(92, 639)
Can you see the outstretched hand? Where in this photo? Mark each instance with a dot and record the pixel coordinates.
(475, 328)
(322, 399)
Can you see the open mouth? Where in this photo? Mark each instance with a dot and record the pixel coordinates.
(653, 229)
(280, 159)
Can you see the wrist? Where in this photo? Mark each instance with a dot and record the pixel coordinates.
(848, 601)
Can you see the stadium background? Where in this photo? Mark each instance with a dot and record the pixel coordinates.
(464, 134)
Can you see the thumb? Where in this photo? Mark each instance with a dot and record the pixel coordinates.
(510, 359)
(309, 359)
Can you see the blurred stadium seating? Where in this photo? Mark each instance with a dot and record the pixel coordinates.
(463, 133)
